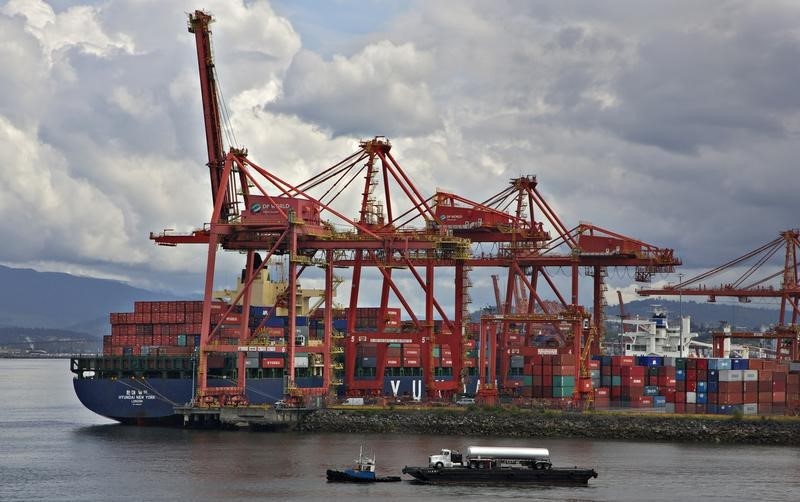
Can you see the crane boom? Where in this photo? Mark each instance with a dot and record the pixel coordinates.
(199, 25)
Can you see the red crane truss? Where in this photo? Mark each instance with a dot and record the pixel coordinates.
(756, 274)
(396, 229)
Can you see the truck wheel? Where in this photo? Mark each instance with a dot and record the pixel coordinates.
(439, 465)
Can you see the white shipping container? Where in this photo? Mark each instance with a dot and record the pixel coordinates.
(750, 409)
(691, 397)
(301, 361)
(730, 375)
(750, 375)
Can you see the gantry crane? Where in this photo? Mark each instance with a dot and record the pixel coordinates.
(746, 281)
(397, 230)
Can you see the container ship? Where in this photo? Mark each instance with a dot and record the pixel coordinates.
(149, 362)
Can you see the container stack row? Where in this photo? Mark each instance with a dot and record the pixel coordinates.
(698, 385)
(553, 376)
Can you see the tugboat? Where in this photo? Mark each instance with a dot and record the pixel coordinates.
(362, 472)
(497, 465)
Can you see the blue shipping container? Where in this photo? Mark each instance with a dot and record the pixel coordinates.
(701, 387)
(680, 374)
(740, 364)
(651, 361)
(702, 398)
(659, 401)
(713, 376)
(713, 387)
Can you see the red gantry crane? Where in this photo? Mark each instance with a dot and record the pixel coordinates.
(756, 274)
(408, 243)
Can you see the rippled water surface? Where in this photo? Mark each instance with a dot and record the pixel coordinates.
(51, 448)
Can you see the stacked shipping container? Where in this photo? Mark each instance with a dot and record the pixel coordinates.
(698, 385)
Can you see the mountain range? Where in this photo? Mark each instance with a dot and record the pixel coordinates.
(52, 306)
(37, 306)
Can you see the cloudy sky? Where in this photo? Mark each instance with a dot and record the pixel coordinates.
(673, 122)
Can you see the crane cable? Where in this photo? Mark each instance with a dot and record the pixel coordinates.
(227, 127)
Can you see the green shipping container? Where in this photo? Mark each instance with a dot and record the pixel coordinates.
(527, 380)
(563, 381)
(563, 391)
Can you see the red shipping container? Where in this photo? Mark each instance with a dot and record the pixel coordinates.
(594, 364)
(680, 397)
(778, 385)
(680, 386)
(765, 397)
(564, 360)
(750, 397)
(563, 370)
(669, 395)
(393, 362)
(633, 382)
(691, 364)
(622, 360)
(755, 364)
(691, 386)
(702, 364)
(691, 408)
(547, 371)
(602, 392)
(272, 363)
(632, 371)
(730, 387)
(735, 398)
(470, 363)
(632, 392)
(410, 362)
(751, 386)
(778, 398)
(680, 407)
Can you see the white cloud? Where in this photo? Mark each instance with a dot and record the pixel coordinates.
(674, 124)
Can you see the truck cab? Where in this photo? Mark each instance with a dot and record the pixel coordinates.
(447, 458)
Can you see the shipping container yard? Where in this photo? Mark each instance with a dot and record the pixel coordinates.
(272, 341)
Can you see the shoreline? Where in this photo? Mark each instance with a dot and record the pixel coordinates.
(475, 421)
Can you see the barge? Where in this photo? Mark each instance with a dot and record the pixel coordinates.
(482, 465)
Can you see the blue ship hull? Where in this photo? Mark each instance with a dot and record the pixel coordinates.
(153, 400)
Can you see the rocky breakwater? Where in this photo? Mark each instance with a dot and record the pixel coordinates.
(476, 421)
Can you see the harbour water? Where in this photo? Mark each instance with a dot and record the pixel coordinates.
(51, 448)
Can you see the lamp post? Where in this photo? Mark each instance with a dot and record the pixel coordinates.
(680, 307)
